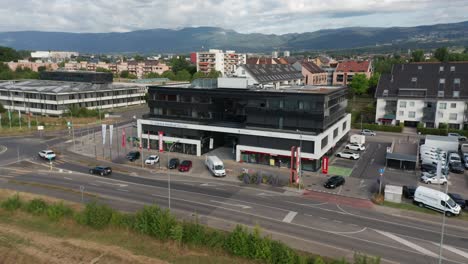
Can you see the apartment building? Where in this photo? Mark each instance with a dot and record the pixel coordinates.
(140, 69)
(54, 56)
(217, 60)
(34, 66)
(424, 93)
(344, 72)
(260, 125)
(313, 74)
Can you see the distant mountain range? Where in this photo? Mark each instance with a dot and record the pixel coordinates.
(198, 38)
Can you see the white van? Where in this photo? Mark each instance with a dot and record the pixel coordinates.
(215, 165)
(436, 200)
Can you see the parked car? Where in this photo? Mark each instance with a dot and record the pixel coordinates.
(460, 137)
(408, 191)
(133, 155)
(47, 154)
(454, 157)
(173, 163)
(348, 155)
(433, 173)
(152, 159)
(355, 146)
(101, 170)
(436, 200)
(434, 180)
(334, 181)
(457, 167)
(185, 165)
(465, 160)
(458, 199)
(428, 167)
(368, 132)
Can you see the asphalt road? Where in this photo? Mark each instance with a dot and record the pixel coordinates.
(318, 222)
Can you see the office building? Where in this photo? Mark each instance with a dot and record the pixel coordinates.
(260, 125)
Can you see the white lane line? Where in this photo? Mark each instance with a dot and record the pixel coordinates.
(306, 204)
(232, 204)
(336, 221)
(7, 176)
(289, 217)
(408, 244)
(122, 190)
(349, 232)
(70, 179)
(93, 184)
(454, 250)
(116, 184)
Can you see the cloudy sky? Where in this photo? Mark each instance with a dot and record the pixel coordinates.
(246, 16)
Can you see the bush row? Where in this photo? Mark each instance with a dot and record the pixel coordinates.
(160, 224)
(441, 131)
(378, 127)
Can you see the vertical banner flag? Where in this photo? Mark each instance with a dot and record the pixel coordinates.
(160, 138)
(123, 137)
(0, 120)
(9, 114)
(298, 163)
(19, 114)
(148, 141)
(325, 165)
(291, 178)
(111, 131)
(104, 127)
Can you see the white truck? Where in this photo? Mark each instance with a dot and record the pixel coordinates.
(442, 142)
(215, 165)
(436, 200)
(358, 139)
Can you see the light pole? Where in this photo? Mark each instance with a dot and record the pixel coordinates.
(300, 159)
(439, 169)
(169, 175)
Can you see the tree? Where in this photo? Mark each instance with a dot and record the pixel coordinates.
(214, 74)
(169, 74)
(2, 109)
(9, 54)
(41, 68)
(417, 55)
(198, 75)
(373, 82)
(359, 84)
(466, 50)
(124, 74)
(183, 75)
(442, 54)
(138, 58)
(61, 64)
(101, 69)
(152, 75)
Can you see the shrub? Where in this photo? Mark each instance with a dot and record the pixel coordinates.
(238, 242)
(378, 127)
(194, 233)
(97, 216)
(12, 203)
(36, 207)
(153, 221)
(319, 260)
(57, 211)
(122, 220)
(177, 233)
(281, 254)
(363, 259)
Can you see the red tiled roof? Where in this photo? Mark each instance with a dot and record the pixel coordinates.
(353, 66)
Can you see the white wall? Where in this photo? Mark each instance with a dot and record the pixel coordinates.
(442, 115)
(418, 106)
(380, 109)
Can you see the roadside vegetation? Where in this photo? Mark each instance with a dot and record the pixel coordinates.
(151, 232)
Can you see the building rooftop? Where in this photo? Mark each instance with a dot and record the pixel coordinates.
(268, 73)
(442, 138)
(46, 86)
(353, 66)
(312, 67)
(425, 80)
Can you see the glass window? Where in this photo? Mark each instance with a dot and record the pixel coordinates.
(324, 142)
(452, 68)
(453, 105)
(300, 105)
(272, 103)
(335, 133)
(280, 123)
(403, 104)
(453, 117)
(281, 104)
(440, 115)
(185, 99)
(411, 114)
(401, 113)
(411, 104)
(441, 68)
(456, 93)
(443, 105)
(441, 80)
(440, 94)
(344, 125)
(456, 81)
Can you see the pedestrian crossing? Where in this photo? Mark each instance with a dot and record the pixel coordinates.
(12, 172)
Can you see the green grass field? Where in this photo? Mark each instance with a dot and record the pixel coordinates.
(335, 170)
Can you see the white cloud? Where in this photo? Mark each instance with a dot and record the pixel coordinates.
(263, 16)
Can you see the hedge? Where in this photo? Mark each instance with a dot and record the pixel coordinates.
(376, 127)
(441, 131)
(160, 224)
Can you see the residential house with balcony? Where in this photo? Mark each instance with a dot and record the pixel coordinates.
(313, 74)
(427, 93)
(344, 72)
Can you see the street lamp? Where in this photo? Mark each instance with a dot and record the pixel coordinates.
(439, 169)
(300, 159)
(169, 175)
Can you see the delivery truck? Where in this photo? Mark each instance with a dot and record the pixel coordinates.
(358, 139)
(436, 200)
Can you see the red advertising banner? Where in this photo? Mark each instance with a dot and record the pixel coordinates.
(160, 137)
(325, 165)
(298, 163)
(124, 139)
(291, 179)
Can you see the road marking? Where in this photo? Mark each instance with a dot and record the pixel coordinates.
(454, 250)
(308, 205)
(93, 184)
(7, 176)
(289, 217)
(408, 244)
(265, 194)
(231, 204)
(122, 190)
(336, 221)
(220, 189)
(68, 178)
(350, 232)
(116, 184)
(208, 184)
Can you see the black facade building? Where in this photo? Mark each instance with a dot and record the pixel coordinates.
(260, 125)
(77, 76)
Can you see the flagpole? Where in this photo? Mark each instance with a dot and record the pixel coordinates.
(9, 116)
(19, 118)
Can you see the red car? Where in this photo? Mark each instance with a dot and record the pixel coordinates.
(185, 165)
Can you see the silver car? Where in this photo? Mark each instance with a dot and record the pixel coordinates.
(368, 132)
